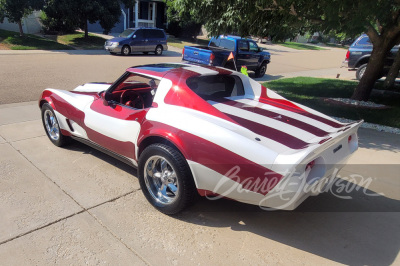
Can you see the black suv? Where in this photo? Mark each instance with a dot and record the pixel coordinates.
(359, 52)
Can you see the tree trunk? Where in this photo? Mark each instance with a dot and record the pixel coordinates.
(372, 73)
(393, 72)
(86, 29)
(21, 31)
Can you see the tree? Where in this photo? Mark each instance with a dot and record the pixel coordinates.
(82, 12)
(16, 10)
(379, 19)
(393, 72)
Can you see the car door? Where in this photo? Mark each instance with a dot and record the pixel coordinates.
(150, 40)
(138, 41)
(254, 55)
(114, 126)
(243, 54)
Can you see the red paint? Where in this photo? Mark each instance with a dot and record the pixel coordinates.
(212, 156)
(181, 95)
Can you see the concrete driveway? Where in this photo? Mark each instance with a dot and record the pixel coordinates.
(75, 205)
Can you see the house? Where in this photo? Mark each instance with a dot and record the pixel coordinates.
(143, 13)
(31, 24)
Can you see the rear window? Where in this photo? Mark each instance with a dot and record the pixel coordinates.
(223, 43)
(216, 86)
(364, 41)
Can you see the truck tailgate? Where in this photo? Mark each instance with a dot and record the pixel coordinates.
(197, 54)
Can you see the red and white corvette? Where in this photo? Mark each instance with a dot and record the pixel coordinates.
(203, 130)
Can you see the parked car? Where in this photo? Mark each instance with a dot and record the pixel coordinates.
(358, 55)
(199, 130)
(138, 40)
(245, 52)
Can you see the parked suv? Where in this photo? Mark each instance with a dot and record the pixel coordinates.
(359, 53)
(138, 40)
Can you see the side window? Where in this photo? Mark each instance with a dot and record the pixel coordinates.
(139, 34)
(253, 47)
(159, 34)
(243, 46)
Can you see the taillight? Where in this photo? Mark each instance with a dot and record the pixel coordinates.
(349, 139)
(212, 57)
(183, 52)
(348, 55)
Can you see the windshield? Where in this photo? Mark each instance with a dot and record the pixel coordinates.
(127, 33)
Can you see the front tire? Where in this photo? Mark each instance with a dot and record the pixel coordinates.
(159, 50)
(126, 50)
(360, 71)
(165, 179)
(52, 127)
(260, 72)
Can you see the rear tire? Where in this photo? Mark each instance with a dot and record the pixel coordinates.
(52, 127)
(260, 72)
(360, 71)
(165, 179)
(159, 50)
(126, 50)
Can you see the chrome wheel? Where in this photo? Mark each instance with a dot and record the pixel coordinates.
(361, 73)
(161, 180)
(51, 125)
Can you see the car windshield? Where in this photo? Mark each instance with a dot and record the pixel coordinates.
(127, 33)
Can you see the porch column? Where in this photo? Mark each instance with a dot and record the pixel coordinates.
(136, 14)
(154, 14)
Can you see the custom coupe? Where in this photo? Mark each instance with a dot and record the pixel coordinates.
(201, 130)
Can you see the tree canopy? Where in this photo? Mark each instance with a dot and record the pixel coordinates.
(77, 13)
(16, 10)
(379, 19)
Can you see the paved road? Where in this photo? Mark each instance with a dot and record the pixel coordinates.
(24, 74)
(78, 206)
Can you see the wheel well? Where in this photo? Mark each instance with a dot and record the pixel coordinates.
(156, 139)
(362, 61)
(42, 102)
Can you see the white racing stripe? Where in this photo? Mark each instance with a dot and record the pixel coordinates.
(290, 114)
(266, 121)
(201, 70)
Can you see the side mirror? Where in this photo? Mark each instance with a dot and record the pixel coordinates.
(134, 36)
(260, 49)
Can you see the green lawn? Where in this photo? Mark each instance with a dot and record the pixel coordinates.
(78, 41)
(312, 91)
(180, 43)
(12, 40)
(300, 46)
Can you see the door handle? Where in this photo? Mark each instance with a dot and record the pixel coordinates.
(195, 53)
